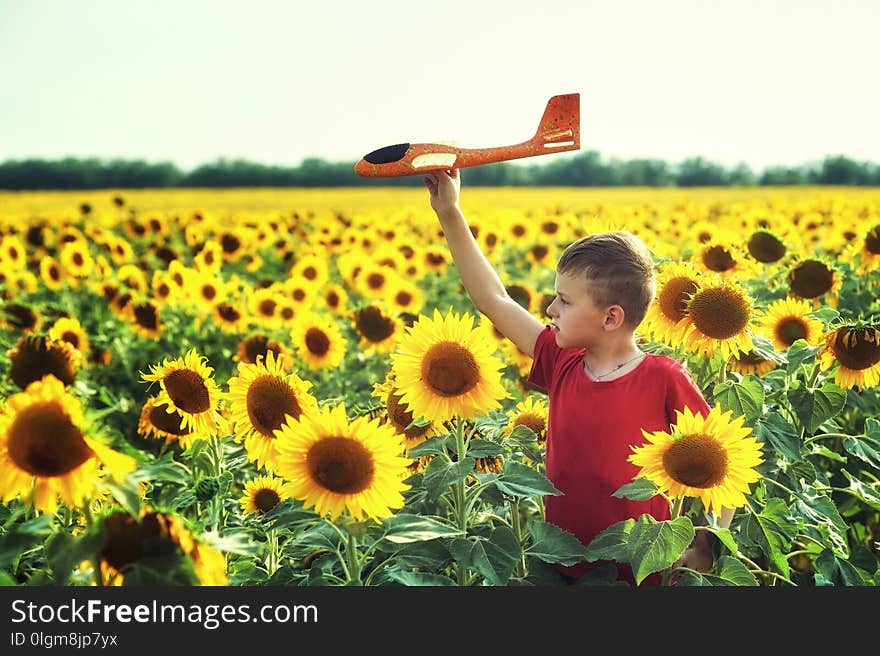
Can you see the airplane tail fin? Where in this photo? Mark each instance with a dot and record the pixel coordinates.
(559, 129)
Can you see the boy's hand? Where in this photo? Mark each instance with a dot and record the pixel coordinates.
(445, 187)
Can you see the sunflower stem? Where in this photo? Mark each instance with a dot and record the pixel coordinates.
(354, 564)
(516, 526)
(822, 436)
(676, 508)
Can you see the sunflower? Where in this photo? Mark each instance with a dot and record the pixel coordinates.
(162, 287)
(712, 457)
(531, 413)
(724, 259)
(45, 453)
(336, 465)
(133, 277)
(229, 317)
(209, 257)
(51, 273)
(751, 363)
(144, 319)
(262, 397)
(666, 320)
(435, 259)
(20, 317)
(189, 388)
(814, 279)
(786, 321)
(404, 296)
(866, 251)
(399, 417)
(263, 493)
(35, 357)
(524, 294)
(263, 304)
(444, 368)
(766, 246)
(155, 421)
(374, 281)
(856, 349)
(312, 270)
(718, 315)
(151, 539)
(336, 298)
(378, 331)
(12, 253)
(258, 345)
(318, 341)
(69, 329)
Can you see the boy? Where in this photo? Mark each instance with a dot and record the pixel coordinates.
(603, 390)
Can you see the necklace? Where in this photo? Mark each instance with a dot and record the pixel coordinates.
(608, 373)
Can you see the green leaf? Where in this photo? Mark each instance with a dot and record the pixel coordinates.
(775, 430)
(743, 398)
(553, 545)
(521, 434)
(404, 528)
(6, 580)
(654, 545)
(432, 446)
(726, 538)
(862, 491)
(773, 529)
(824, 314)
(640, 489)
(815, 407)
(817, 449)
(520, 480)
(483, 449)
(64, 552)
(838, 571)
(501, 552)
(237, 542)
(611, 543)
(127, 494)
(439, 476)
(800, 353)
(731, 572)
(863, 449)
(23, 537)
(419, 578)
(818, 508)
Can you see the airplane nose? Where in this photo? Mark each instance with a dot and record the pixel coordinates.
(387, 154)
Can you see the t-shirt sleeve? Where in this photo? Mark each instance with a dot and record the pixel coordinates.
(545, 357)
(683, 392)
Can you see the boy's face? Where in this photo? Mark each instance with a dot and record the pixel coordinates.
(577, 320)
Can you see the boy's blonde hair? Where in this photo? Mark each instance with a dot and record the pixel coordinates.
(620, 269)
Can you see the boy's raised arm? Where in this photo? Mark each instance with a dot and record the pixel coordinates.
(479, 278)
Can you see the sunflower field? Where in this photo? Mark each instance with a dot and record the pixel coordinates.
(292, 388)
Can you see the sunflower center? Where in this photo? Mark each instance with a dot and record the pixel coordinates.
(532, 421)
(375, 281)
(228, 312)
(719, 312)
(333, 299)
(539, 252)
(810, 279)
(751, 358)
(257, 345)
(765, 246)
(791, 329)
(401, 417)
(519, 294)
(696, 461)
(127, 539)
(317, 341)
(209, 292)
(188, 390)
(71, 338)
(450, 369)
(34, 358)
(266, 499)
(673, 298)
(230, 243)
(43, 442)
(269, 401)
(168, 422)
(872, 241)
(403, 298)
(718, 258)
(310, 273)
(857, 348)
(373, 325)
(341, 465)
(147, 316)
(267, 307)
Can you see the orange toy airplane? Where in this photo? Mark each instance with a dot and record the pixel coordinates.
(558, 131)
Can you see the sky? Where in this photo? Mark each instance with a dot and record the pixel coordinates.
(782, 82)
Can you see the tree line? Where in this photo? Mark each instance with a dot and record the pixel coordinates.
(587, 169)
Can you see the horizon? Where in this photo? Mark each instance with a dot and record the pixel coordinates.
(764, 84)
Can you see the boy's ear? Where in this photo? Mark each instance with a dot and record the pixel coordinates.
(614, 317)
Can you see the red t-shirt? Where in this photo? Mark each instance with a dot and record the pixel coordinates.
(589, 433)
